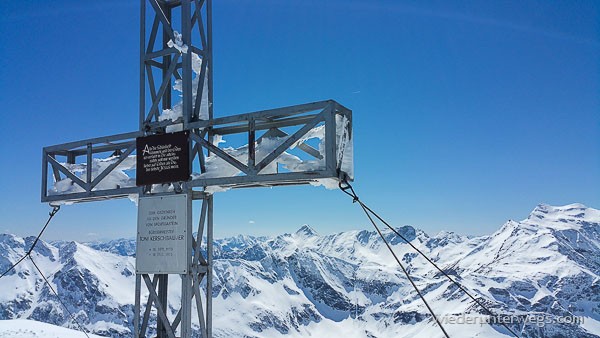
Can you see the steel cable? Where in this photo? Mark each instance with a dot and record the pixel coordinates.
(405, 272)
(52, 213)
(345, 186)
(57, 297)
(28, 254)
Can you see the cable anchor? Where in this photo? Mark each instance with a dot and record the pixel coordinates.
(55, 209)
(347, 189)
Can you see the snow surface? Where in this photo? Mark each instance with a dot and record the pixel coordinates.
(22, 328)
(117, 177)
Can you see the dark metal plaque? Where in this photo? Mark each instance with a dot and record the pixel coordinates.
(163, 158)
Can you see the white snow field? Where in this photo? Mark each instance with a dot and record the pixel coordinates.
(22, 328)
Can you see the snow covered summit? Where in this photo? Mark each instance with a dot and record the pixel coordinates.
(306, 231)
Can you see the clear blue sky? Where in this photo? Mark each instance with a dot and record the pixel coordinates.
(466, 114)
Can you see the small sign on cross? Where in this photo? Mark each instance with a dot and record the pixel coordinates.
(163, 158)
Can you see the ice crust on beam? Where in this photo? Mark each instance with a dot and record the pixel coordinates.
(178, 43)
(344, 148)
(176, 111)
(217, 167)
(344, 154)
(116, 178)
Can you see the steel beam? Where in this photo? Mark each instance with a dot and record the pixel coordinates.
(248, 123)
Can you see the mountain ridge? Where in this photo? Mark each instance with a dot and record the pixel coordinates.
(305, 284)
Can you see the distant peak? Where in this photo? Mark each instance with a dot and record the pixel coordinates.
(542, 210)
(306, 230)
(7, 236)
(543, 207)
(11, 240)
(568, 216)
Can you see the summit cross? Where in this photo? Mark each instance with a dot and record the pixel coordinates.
(174, 159)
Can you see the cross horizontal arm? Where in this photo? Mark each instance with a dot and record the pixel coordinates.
(72, 187)
(86, 176)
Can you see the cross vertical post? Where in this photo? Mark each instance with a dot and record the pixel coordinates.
(176, 21)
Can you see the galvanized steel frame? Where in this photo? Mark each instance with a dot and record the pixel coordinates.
(192, 14)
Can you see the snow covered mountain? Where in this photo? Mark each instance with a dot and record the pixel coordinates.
(542, 273)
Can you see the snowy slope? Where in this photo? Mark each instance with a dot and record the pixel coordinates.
(96, 286)
(543, 268)
(21, 328)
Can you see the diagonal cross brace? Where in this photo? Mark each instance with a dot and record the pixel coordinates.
(148, 308)
(197, 18)
(195, 295)
(291, 140)
(159, 307)
(163, 19)
(163, 87)
(276, 132)
(220, 153)
(56, 165)
(111, 167)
